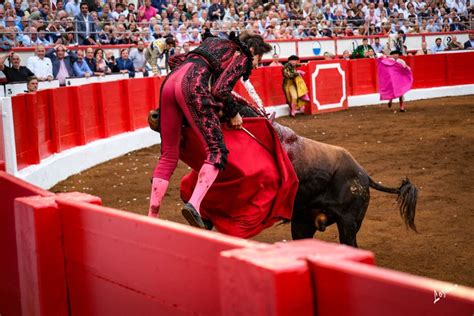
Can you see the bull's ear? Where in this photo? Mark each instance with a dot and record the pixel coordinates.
(271, 118)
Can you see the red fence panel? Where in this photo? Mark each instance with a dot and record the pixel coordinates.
(41, 100)
(329, 85)
(66, 121)
(350, 288)
(428, 70)
(88, 104)
(115, 107)
(11, 188)
(460, 68)
(26, 131)
(156, 267)
(362, 76)
(141, 97)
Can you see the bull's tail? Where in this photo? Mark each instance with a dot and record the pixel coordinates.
(406, 200)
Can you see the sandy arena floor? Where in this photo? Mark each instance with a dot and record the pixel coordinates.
(432, 144)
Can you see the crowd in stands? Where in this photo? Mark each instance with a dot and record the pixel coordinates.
(52, 27)
(70, 22)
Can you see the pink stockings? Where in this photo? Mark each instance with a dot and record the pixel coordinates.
(174, 107)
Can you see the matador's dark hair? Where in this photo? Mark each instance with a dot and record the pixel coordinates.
(255, 42)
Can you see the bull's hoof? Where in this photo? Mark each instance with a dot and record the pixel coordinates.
(192, 216)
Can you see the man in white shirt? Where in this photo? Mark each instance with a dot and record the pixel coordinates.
(40, 65)
(73, 7)
(438, 46)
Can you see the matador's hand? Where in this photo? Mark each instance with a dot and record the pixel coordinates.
(236, 122)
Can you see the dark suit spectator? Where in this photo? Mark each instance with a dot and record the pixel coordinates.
(85, 27)
(469, 44)
(216, 11)
(62, 63)
(90, 60)
(124, 64)
(15, 73)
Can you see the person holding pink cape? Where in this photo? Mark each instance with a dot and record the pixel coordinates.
(395, 78)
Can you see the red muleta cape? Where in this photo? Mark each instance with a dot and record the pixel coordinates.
(256, 189)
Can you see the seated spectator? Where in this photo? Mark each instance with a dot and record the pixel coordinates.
(275, 61)
(346, 55)
(15, 73)
(195, 36)
(31, 84)
(438, 46)
(62, 63)
(89, 59)
(125, 65)
(137, 56)
(424, 49)
(469, 44)
(328, 56)
(101, 66)
(41, 66)
(371, 53)
(378, 48)
(361, 50)
(454, 44)
(110, 61)
(81, 69)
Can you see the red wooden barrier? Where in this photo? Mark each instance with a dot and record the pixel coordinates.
(42, 107)
(275, 279)
(460, 68)
(362, 76)
(128, 264)
(41, 261)
(350, 288)
(428, 70)
(25, 121)
(141, 99)
(2, 165)
(11, 188)
(329, 82)
(88, 103)
(65, 124)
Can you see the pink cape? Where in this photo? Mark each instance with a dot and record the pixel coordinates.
(394, 79)
(257, 187)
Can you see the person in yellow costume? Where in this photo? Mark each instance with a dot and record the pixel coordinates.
(295, 89)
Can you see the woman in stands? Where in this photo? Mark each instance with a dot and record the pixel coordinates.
(197, 90)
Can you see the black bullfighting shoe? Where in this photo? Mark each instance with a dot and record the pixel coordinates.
(192, 216)
(208, 223)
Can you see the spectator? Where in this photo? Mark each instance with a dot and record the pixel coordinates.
(85, 27)
(125, 65)
(90, 60)
(438, 46)
(346, 55)
(361, 50)
(110, 61)
(424, 49)
(378, 48)
(454, 44)
(216, 11)
(15, 73)
(137, 56)
(195, 36)
(371, 53)
(81, 69)
(469, 44)
(62, 63)
(31, 84)
(146, 12)
(101, 66)
(275, 61)
(186, 48)
(73, 8)
(40, 65)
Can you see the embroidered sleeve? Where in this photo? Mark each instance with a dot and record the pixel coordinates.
(289, 72)
(222, 89)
